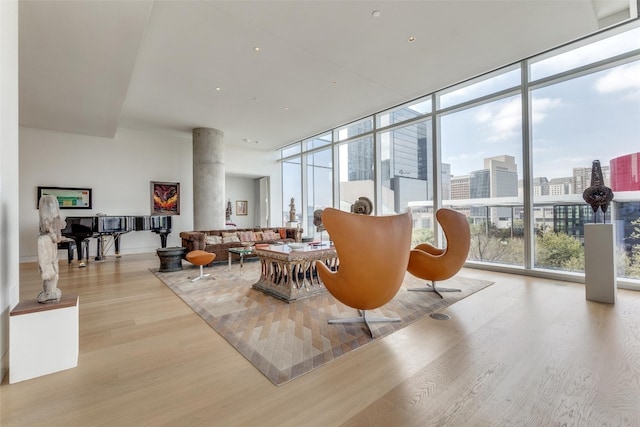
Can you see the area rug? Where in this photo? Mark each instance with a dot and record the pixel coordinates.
(286, 340)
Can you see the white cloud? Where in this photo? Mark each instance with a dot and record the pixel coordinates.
(589, 53)
(621, 79)
(464, 157)
(504, 119)
(541, 108)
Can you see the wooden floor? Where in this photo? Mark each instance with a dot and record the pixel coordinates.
(523, 352)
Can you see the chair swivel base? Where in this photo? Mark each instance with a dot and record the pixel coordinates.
(433, 288)
(202, 275)
(366, 320)
(200, 258)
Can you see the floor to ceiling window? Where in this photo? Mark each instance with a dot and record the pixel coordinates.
(291, 189)
(356, 161)
(483, 146)
(406, 166)
(512, 147)
(357, 173)
(319, 192)
(581, 114)
(406, 170)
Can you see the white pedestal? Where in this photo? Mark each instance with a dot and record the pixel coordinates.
(292, 224)
(599, 263)
(43, 338)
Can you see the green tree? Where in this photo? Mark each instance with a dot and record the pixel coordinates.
(421, 235)
(636, 229)
(489, 244)
(632, 259)
(633, 270)
(559, 251)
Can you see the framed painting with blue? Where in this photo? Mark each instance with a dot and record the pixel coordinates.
(68, 197)
(165, 198)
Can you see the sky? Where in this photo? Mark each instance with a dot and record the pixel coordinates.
(593, 117)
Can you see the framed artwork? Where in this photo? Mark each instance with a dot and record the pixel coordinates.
(68, 197)
(165, 198)
(241, 207)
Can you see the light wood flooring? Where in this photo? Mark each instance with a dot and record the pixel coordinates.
(523, 352)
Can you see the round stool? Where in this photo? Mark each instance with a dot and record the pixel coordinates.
(200, 258)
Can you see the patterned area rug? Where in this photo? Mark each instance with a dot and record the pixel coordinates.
(286, 340)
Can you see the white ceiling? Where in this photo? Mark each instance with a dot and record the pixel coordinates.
(91, 67)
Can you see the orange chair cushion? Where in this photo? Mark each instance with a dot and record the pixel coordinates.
(200, 257)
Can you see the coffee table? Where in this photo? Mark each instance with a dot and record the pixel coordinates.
(290, 274)
(241, 252)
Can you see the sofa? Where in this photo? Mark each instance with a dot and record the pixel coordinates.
(219, 241)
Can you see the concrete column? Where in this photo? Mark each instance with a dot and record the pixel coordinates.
(208, 179)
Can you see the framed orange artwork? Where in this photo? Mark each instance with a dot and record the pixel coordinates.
(165, 198)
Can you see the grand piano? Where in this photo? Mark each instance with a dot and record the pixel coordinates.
(83, 228)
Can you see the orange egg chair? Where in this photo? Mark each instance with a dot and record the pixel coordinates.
(435, 264)
(373, 253)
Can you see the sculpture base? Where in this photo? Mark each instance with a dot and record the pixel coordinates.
(599, 263)
(43, 338)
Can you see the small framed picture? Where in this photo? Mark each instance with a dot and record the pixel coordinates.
(241, 207)
(165, 198)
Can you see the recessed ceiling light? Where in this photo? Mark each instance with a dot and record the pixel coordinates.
(411, 39)
(257, 49)
(286, 108)
(246, 140)
(376, 13)
(218, 89)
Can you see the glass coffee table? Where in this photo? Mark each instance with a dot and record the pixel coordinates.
(240, 252)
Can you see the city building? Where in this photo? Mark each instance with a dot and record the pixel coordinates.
(541, 186)
(625, 172)
(460, 187)
(499, 178)
(561, 186)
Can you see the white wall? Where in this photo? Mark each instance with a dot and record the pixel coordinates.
(9, 214)
(241, 188)
(119, 171)
(253, 164)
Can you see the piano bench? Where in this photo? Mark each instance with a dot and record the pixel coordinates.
(70, 246)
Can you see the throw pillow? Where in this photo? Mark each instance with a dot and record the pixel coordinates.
(283, 233)
(270, 235)
(230, 239)
(258, 235)
(212, 240)
(246, 236)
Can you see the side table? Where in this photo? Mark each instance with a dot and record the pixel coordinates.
(170, 258)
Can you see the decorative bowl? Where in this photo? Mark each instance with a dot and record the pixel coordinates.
(248, 244)
(297, 245)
